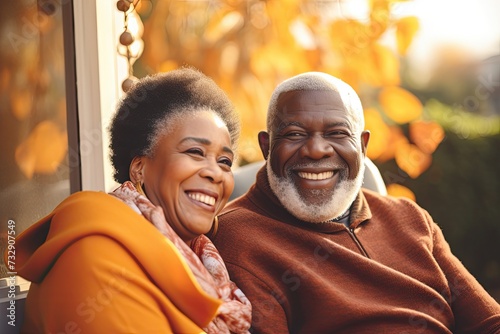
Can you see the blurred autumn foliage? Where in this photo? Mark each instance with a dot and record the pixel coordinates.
(32, 89)
(249, 46)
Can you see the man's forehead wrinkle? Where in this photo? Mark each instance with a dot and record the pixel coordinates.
(345, 123)
(328, 124)
(284, 124)
(291, 103)
(302, 103)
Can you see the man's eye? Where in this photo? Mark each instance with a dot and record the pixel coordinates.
(337, 133)
(293, 134)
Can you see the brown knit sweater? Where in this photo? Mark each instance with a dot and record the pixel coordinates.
(394, 273)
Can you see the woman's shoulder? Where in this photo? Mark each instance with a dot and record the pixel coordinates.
(87, 198)
(80, 215)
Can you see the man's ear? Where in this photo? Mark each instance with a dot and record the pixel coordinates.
(365, 138)
(264, 143)
(135, 170)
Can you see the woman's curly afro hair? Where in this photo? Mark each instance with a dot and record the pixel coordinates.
(153, 103)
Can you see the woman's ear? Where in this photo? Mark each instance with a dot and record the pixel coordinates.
(135, 170)
(264, 143)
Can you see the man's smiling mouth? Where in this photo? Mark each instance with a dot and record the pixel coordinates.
(315, 176)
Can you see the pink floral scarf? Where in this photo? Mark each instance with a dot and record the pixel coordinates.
(234, 315)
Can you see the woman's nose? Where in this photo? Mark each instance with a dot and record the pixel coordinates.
(212, 171)
(316, 147)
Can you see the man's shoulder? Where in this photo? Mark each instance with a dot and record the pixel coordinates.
(374, 198)
(239, 204)
(388, 206)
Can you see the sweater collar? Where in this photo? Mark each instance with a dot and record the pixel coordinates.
(262, 195)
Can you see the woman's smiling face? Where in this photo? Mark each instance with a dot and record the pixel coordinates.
(189, 173)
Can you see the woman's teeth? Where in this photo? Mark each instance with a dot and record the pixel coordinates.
(202, 198)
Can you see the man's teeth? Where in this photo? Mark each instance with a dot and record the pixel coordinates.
(202, 198)
(316, 176)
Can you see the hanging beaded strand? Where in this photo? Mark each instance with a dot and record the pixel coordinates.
(126, 39)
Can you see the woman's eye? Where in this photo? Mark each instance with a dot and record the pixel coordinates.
(196, 151)
(226, 161)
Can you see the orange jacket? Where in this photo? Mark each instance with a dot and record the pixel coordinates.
(97, 266)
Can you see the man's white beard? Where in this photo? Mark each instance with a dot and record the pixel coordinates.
(344, 194)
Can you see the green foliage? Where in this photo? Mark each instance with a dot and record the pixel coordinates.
(461, 122)
(461, 191)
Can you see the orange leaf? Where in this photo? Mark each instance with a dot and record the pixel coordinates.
(398, 190)
(21, 102)
(375, 64)
(426, 135)
(43, 150)
(396, 138)
(400, 105)
(379, 133)
(412, 160)
(406, 28)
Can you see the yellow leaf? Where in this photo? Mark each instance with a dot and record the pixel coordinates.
(412, 160)
(400, 105)
(426, 135)
(366, 65)
(387, 64)
(43, 151)
(379, 133)
(398, 190)
(379, 16)
(379, 66)
(406, 28)
(348, 37)
(276, 58)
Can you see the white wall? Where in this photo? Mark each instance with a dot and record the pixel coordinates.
(99, 72)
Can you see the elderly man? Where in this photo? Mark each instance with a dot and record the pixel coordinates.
(315, 253)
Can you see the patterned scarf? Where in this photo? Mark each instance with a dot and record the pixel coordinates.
(234, 315)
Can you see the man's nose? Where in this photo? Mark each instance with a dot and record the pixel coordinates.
(316, 147)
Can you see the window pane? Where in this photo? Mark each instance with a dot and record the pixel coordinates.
(33, 130)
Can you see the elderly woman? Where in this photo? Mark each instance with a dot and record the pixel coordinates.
(137, 260)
